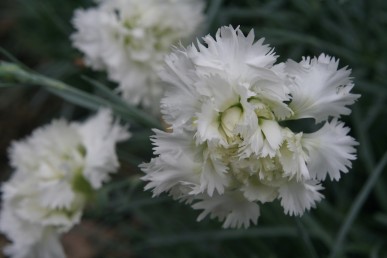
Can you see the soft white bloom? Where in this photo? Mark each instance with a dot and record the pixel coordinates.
(56, 170)
(129, 38)
(230, 148)
(33, 227)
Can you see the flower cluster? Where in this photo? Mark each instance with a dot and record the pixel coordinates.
(231, 145)
(129, 39)
(56, 170)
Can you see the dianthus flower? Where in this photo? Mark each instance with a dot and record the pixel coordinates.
(57, 169)
(232, 146)
(129, 38)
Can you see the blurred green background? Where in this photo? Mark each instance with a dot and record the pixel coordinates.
(125, 222)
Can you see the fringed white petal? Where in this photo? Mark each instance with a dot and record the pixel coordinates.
(297, 197)
(254, 190)
(167, 171)
(213, 175)
(330, 149)
(293, 158)
(319, 90)
(232, 55)
(231, 207)
(100, 134)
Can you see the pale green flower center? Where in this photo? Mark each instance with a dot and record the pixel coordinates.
(79, 182)
(270, 172)
(262, 110)
(137, 36)
(229, 120)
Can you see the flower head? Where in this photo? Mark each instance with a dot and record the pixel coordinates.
(129, 38)
(230, 149)
(56, 169)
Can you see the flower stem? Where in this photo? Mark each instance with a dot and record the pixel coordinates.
(10, 72)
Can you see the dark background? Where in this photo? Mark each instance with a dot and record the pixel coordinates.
(124, 222)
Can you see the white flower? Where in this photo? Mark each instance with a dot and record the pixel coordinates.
(230, 148)
(33, 228)
(129, 38)
(56, 170)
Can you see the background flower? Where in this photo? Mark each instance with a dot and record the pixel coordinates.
(57, 170)
(129, 39)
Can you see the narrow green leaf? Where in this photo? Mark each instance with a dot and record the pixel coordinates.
(318, 230)
(12, 58)
(10, 72)
(374, 111)
(366, 154)
(10, 84)
(108, 93)
(212, 14)
(356, 206)
(376, 249)
(304, 235)
(187, 237)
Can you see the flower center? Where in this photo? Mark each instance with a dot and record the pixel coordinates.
(229, 120)
(261, 110)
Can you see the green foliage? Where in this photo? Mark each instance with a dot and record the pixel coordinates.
(352, 219)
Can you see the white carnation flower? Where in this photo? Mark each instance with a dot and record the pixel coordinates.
(129, 38)
(56, 170)
(230, 148)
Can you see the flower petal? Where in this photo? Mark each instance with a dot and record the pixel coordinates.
(232, 55)
(213, 175)
(293, 158)
(296, 197)
(231, 207)
(318, 89)
(99, 137)
(330, 150)
(256, 191)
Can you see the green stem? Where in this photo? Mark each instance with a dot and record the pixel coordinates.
(212, 14)
(10, 72)
(189, 237)
(366, 154)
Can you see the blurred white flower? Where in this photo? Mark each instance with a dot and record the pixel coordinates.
(129, 38)
(230, 147)
(57, 169)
